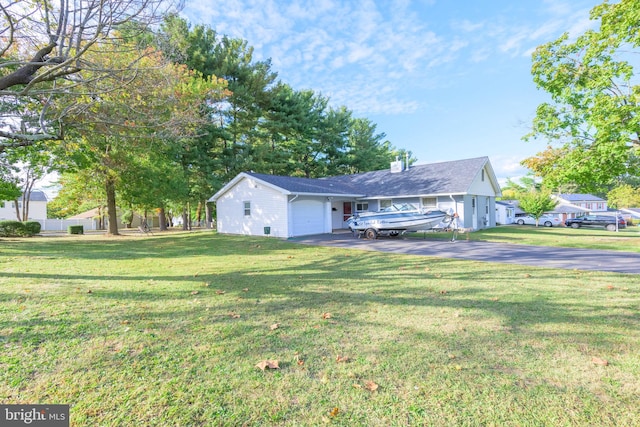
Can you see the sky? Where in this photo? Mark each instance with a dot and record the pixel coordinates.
(445, 79)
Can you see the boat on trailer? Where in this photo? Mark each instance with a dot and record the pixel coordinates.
(395, 220)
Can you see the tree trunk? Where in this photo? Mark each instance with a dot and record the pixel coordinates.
(110, 187)
(16, 203)
(185, 219)
(199, 213)
(162, 218)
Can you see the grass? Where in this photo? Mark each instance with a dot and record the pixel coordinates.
(167, 330)
(627, 239)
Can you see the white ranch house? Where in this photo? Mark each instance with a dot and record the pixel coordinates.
(281, 206)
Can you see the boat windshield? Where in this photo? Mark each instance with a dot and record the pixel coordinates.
(399, 208)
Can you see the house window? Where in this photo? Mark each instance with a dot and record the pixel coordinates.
(385, 204)
(247, 208)
(429, 202)
(486, 207)
(362, 206)
(482, 175)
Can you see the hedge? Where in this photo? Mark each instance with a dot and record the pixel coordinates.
(33, 227)
(19, 229)
(75, 229)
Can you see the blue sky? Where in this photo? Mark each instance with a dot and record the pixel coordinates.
(445, 79)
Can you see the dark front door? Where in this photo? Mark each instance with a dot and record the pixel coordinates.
(346, 210)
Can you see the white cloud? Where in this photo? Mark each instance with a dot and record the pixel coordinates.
(353, 48)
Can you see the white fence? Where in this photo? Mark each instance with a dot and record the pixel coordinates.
(62, 224)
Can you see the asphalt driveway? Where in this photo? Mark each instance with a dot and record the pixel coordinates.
(538, 256)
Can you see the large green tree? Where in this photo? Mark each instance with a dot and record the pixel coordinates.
(624, 196)
(593, 121)
(160, 103)
(536, 203)
(44, 50)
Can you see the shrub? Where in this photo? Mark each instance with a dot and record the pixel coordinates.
(13, 229)
(75, 229)
(32, 227)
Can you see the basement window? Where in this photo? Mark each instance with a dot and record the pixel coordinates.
(247, 208)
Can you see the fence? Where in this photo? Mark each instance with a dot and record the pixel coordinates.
(62, 224)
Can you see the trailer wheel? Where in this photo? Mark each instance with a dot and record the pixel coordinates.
(394, 233)
(371, 234)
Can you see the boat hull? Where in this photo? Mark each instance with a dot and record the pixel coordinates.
(396, 221)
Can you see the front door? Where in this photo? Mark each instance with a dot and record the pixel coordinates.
(346, 212)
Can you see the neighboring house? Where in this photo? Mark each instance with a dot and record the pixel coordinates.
(37, 207)
(587, 202)
(101, 216)
(575, 205)
(507, 211)
(282, 206)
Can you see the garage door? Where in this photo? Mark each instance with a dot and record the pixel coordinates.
(307, 217)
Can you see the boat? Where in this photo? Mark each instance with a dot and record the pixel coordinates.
(396, 219)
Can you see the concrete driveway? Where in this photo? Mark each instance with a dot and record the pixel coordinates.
(537, 256)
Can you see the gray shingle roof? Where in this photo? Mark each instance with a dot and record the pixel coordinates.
(307, 185)
(454, 177)
(38, 196)
(435, 178)
(580, 197)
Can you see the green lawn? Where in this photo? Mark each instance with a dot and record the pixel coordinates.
(167, 330)
(627, 239)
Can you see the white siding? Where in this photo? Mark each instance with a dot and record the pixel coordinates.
(37, 210)
(482, 188)
(268, 209)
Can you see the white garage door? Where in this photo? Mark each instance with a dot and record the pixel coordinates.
(307, 217)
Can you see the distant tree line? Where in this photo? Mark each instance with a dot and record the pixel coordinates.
(151, 115)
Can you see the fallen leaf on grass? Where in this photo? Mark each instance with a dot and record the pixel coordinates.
(234, 315)
(268, 364)
(341, 359)
(452, 356)
(334, 412)
(370, 385)
(274, 326)
(194, 292)
(245, 290)
(219, 292)
(443, 292)
(495, 299)
(326, 315)
(599, 361)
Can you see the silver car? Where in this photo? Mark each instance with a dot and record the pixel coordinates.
(546, 220)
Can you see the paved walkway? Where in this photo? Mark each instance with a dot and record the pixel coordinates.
(538, 256)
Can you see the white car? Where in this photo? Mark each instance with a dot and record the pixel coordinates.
(546, 220)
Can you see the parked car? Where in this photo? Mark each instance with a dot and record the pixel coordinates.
(606, 221)
(546, 220)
